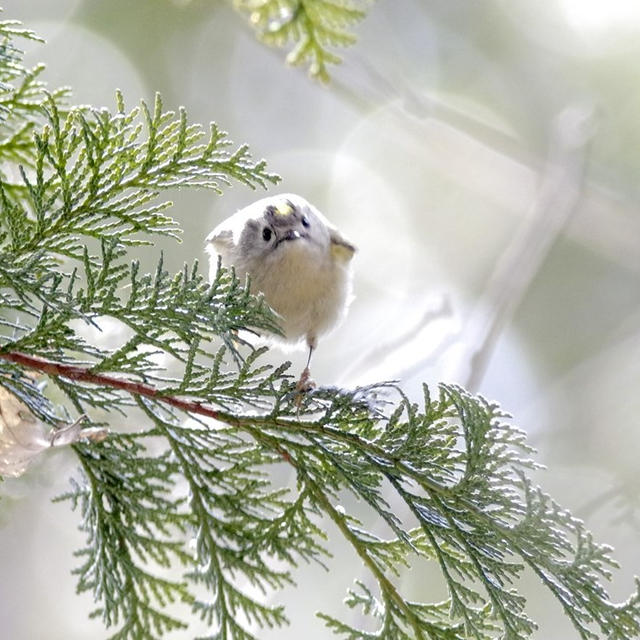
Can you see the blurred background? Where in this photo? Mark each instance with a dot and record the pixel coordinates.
(484, 157)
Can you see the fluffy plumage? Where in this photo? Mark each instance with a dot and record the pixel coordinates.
(295, 257)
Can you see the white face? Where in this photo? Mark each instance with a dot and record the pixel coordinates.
(281, 224)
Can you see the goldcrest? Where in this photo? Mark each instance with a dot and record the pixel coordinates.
(296, 258)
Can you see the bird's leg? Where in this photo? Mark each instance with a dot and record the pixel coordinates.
(306, 383)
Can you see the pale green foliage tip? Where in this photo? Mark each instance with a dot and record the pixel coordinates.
(313, 28)
(180, 514)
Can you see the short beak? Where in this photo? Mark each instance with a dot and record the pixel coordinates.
(291, 234)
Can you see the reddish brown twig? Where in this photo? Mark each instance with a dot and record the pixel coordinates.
(73, 372)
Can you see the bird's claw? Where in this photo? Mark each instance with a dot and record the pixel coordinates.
(305, 384)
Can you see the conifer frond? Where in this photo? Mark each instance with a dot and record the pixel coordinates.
(22, 95)
(131, 522)
(313, 27)
(479, 516)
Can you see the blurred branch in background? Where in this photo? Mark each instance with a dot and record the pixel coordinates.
(561, 186)
(607, 214)
(373, 87)
(437, 310)
(624, 497)
(559, 192)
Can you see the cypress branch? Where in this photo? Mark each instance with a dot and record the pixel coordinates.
(314, 27)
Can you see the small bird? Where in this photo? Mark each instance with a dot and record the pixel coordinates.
(296, 258)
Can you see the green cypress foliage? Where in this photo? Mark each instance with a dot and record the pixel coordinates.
(313, 27)
(185, 509)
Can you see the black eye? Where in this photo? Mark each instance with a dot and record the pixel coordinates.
(266, 234)
(305, 222)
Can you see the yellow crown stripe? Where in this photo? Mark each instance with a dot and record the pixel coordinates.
(284, 209)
